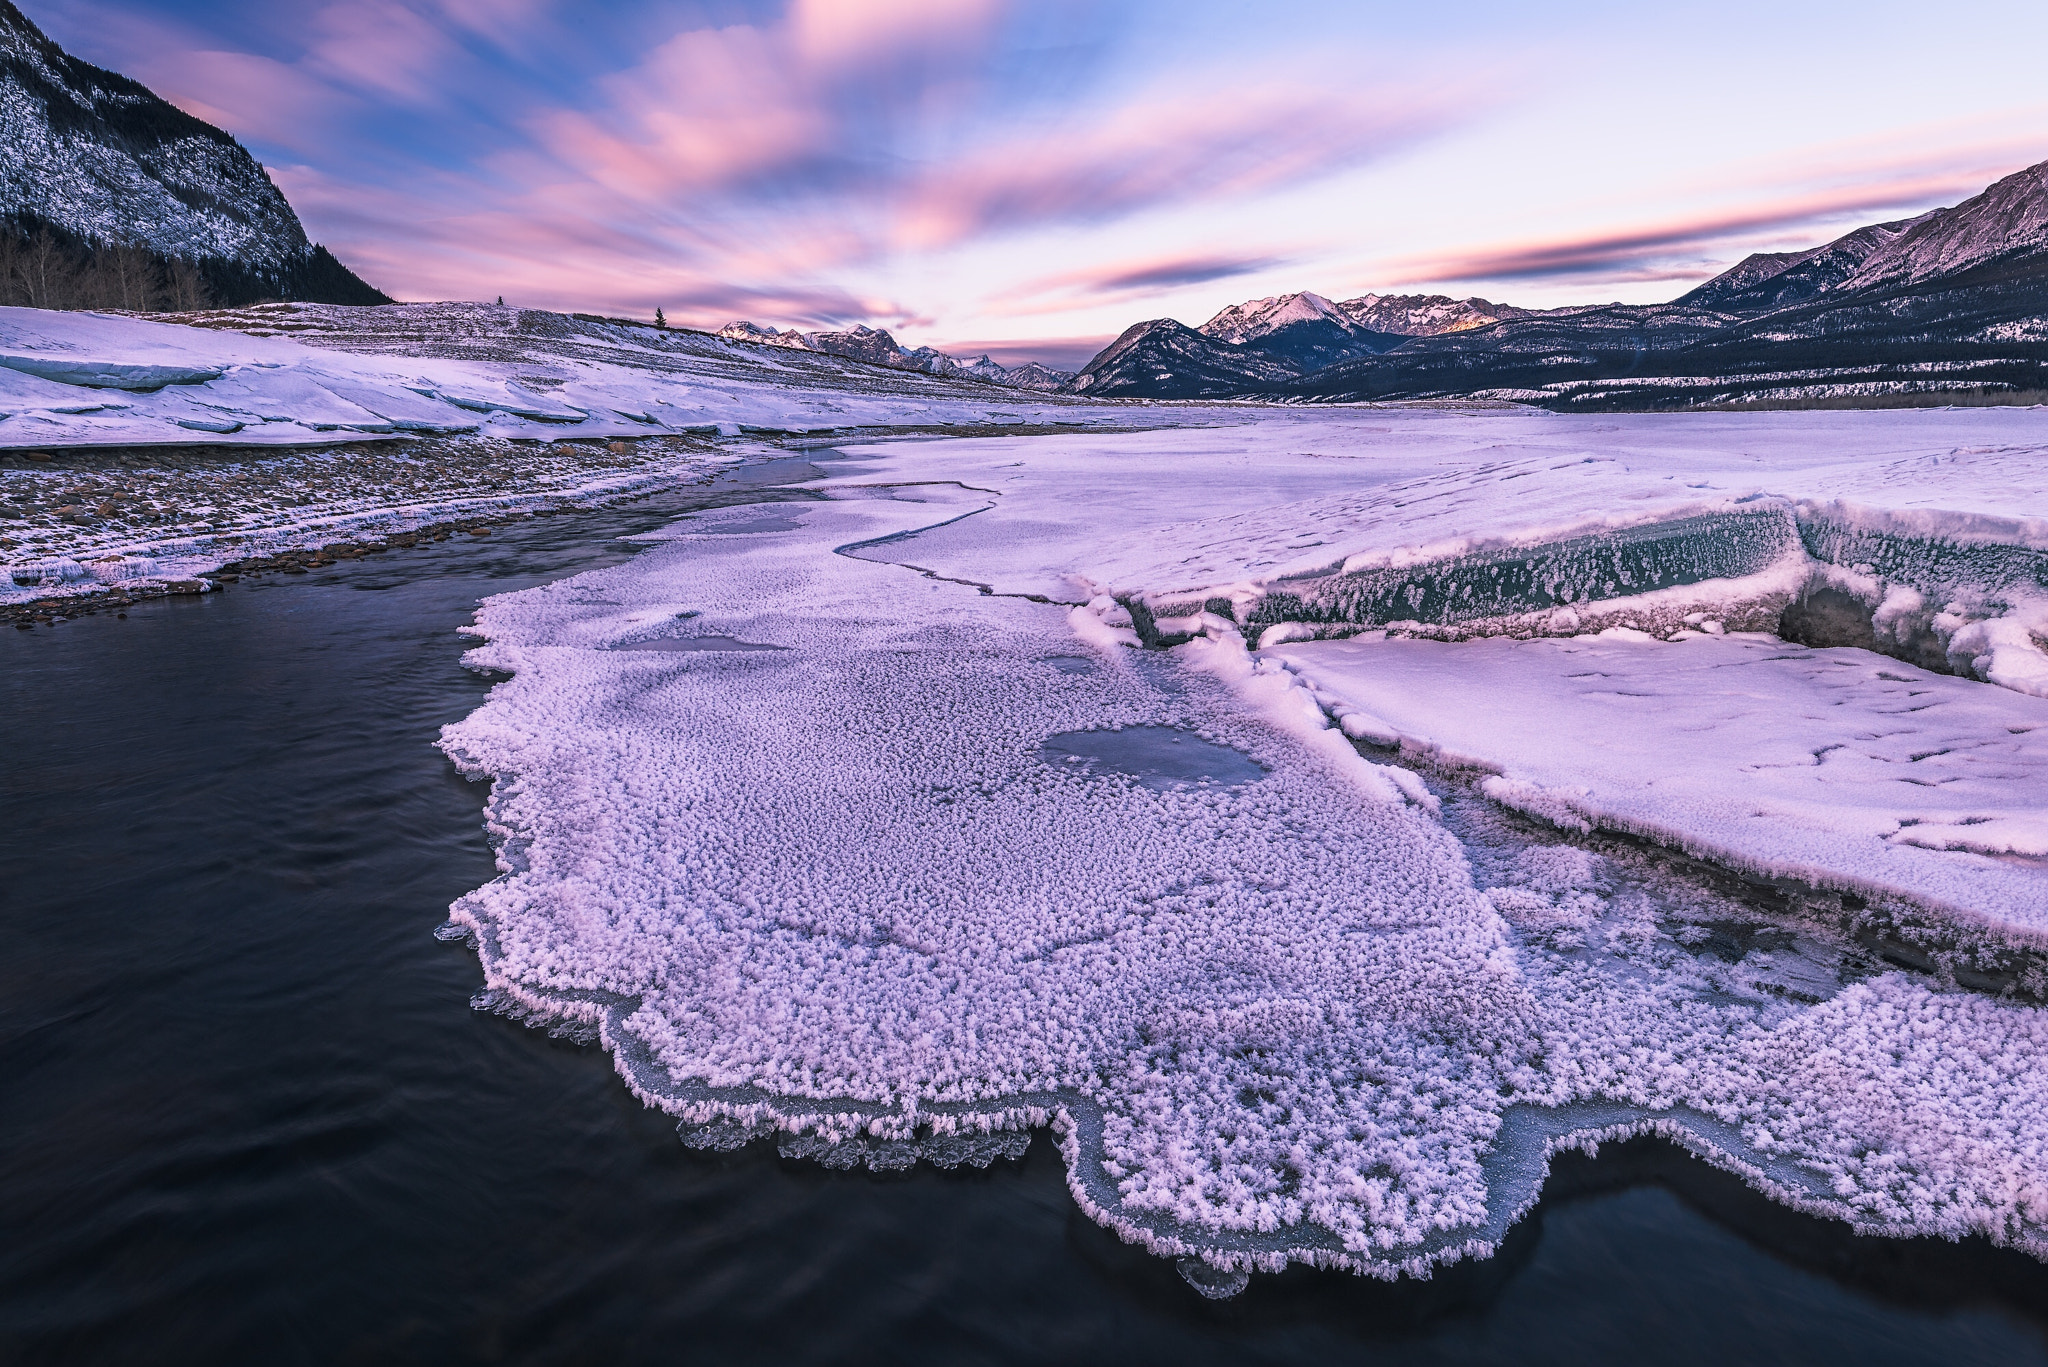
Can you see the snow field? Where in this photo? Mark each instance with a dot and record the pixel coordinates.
(95, 379)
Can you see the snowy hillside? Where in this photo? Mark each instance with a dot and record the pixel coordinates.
(442, 407)
(105, 161)
(877, 347)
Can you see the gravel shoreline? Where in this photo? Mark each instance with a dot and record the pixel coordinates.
(105, 528)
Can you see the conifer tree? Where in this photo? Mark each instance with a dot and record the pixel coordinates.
(660, 318)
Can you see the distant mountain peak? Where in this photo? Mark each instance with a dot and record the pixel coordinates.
(1248, 322)
(877, 347)
(1425, 315)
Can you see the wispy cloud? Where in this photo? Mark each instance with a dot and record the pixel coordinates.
(1062, 165)
(1172, 274)
(1168, 150)
(1693, 248)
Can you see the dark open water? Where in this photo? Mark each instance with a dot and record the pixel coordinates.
(246, 1114)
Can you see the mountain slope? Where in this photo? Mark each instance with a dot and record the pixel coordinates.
(102, 161)
(1425, 315)
(1165, 359)
(1764, 281)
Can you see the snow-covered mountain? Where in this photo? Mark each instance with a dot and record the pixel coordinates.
(1770, 280)
(1305, 331)
(1260, 318)
(1955, 300)
(1425, 315)
(877, 347)
(103, 161)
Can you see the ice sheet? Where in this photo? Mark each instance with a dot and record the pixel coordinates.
(1837, 768)
(1528, 523)
(854, 889)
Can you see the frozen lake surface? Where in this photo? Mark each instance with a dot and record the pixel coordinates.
(1274, 1001)
(255, 1118)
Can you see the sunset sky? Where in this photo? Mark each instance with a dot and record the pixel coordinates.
(1031, 178)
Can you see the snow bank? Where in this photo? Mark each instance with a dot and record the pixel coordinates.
(70, 379)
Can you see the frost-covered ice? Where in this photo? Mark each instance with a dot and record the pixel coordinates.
(842, 883)
(877, 889)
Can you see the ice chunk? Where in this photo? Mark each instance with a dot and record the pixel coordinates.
(1820, 765)
(102, 374)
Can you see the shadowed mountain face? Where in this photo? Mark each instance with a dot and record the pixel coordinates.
(1954, 301)
(1164, 359)
(1246, 349)
(99, 161)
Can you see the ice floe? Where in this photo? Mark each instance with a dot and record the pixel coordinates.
(955, 862)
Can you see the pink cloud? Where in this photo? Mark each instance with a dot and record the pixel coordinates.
(1684, 249)
(380, 46)
(707, 108)
(837, 33)
(1169, 150)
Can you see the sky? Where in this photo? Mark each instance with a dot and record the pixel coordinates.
(1031, 178)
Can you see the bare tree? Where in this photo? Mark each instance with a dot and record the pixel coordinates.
(12, 292)
(49, 272)
(186, 288)
(128, 277)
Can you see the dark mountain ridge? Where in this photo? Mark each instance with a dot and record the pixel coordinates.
(96, 162)
(1953, 301)
(1165, 359)
(1249, 348)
